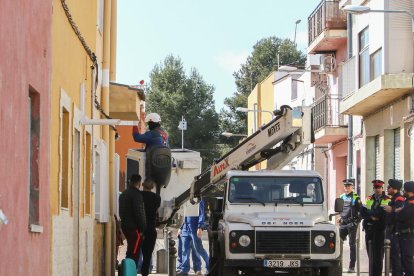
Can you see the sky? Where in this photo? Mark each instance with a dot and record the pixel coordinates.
(214, 36)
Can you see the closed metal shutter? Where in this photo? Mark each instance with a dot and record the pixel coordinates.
(377, 158)
(397, 154)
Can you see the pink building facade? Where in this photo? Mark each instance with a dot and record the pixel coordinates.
(25, 51)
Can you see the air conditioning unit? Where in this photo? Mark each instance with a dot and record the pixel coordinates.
(328, 63)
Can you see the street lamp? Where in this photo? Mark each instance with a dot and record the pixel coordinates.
(293, 69)
(296, 26)
(254, 110)
(229, 134)
(245, 109)
(354, 9)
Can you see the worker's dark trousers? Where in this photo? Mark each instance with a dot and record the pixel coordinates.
(147, 248)
(407, 253)
(377, 237)
(134, 241)
(351, 233)
(395, 256)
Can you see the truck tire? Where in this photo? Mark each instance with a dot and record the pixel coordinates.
(335, 270)
(225, 271)
(217, 267)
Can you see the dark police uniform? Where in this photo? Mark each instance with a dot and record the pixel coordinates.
(397, 201)
(405, 229)
(350, 218)
(374, 225)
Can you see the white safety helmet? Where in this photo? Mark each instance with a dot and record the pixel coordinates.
(153, 117)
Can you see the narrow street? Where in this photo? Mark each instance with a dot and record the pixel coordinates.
(364, 262)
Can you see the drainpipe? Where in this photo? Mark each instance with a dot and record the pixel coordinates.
(108, 243)
(350, 157)
(112, 70)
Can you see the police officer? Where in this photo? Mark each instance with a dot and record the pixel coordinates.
(374, 225)
(397, 201)
(350, 218)
(405, 228)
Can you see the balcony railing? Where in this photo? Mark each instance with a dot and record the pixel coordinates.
(326, 16)
(347, 78)
(326, 113)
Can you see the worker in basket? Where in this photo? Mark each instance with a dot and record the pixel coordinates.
(158, 153)
(154, 136)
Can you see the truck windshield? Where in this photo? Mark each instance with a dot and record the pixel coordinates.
(288, 190)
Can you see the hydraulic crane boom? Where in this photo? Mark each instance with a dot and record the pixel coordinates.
(279, 141)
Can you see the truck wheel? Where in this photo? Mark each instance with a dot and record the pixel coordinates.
(335, 270)
(225, 271)
(217, 266)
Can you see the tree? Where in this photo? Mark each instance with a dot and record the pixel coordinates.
(173, 94)
(259, 64)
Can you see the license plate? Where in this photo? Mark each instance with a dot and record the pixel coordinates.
(281, 263)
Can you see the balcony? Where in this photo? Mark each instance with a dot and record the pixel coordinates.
(378, 93)
(326, 27)
(125, 101)
(328, 124)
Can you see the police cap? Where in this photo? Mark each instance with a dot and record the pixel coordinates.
(409, 186)
(378, 183)
(348, 181)
(395, 184)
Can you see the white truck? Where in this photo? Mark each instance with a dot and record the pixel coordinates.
(265, 221)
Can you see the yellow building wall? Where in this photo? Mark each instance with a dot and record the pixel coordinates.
(71, 69)
(267, 98)
(252, 100)
(263, 97)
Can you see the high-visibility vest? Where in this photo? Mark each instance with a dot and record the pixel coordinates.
(371, 199)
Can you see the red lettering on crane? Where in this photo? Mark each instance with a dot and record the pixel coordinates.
(218, 168)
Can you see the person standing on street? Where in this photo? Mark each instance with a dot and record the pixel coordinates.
(196, 259)
(349, 220)
(152, 202)
(192, 231)
(132, 214)
(374, 225)
(405, 228)
(397, 201)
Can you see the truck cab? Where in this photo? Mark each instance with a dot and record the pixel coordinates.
(271, 221)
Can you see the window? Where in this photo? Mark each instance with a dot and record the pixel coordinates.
(294, 90)
(64, 191)
(376, 64)
(76, 175)
(275, 190)
(364, 59)
(34, 150)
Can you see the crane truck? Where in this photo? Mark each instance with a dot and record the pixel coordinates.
(265, 221)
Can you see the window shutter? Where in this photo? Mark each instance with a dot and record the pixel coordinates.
(397, 154)
(101, 183)
(377, 158)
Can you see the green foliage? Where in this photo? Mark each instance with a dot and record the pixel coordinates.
(259, 64)
(173, 94)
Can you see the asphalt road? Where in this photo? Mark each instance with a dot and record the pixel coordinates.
(160, 244)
